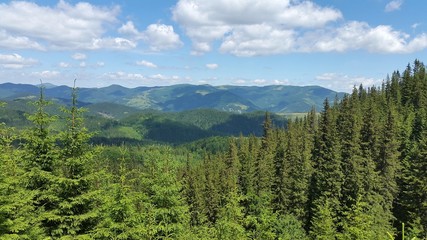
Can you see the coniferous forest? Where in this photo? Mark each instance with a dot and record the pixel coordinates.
(356, 169)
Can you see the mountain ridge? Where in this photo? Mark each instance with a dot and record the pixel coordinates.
(182, 97)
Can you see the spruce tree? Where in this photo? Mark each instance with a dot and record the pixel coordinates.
(388, 163)
(17, 220)
(40, 154)
(327, 178)
(74, 214)
(120, 218)
(167, 213)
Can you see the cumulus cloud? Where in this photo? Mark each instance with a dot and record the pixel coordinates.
(45, 74)
(64, 64)
(79, 56)
(161, 37)
(116, 43)
(120, 75)
(128, 28)
(157, 36)
(240, 81)
(268, 27)
(64, 26)
(344, 82)
(16, 61)
(260, 39)
(212, 66)
(207, 21)
(280, 82)
(146, 64)
(9, 41)
(136, 79)
(259, 81)
(393, 5)
(359, 35)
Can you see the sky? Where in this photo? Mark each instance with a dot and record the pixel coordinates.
(336, 44)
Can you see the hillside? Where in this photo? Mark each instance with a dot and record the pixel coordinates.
(117, 124)
(183, 97)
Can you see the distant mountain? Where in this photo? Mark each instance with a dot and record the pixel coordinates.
(182, 97)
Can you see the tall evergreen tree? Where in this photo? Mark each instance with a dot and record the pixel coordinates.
(40, 154)
(388, 163)
(74, 212)
(120, 218)
(168, 216)
(16, 207)
(327, 177)
(265, 162)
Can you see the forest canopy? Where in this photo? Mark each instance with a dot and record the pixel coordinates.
(355, 170)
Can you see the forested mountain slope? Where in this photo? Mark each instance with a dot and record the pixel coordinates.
(357, 170)
(238, 99)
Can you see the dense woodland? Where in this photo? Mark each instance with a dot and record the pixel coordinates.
(356, 170)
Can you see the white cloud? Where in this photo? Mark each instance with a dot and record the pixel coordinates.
(280, 82)
(212, 66)
(16, 61)
(359, 35)
(161, 37)
(83, 64)
(393, 5)
(64, 65)
(415, 25)
(64, 26)
(79, 56)
(116, 43)
(259, 81)
(100, 64)
(123, 76)
(45, 74)
(207, 21)
(137, 79)
(158, 36)
(17, 42)
(268, 27)
(158, 77)
(258, 39)
(146, 64)
(128, 28)
(345, 83)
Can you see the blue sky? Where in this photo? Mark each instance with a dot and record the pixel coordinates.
(332, 43)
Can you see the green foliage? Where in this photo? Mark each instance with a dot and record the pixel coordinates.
(357, 172)
(323, 222)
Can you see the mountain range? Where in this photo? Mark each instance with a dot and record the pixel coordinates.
(182, 97)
